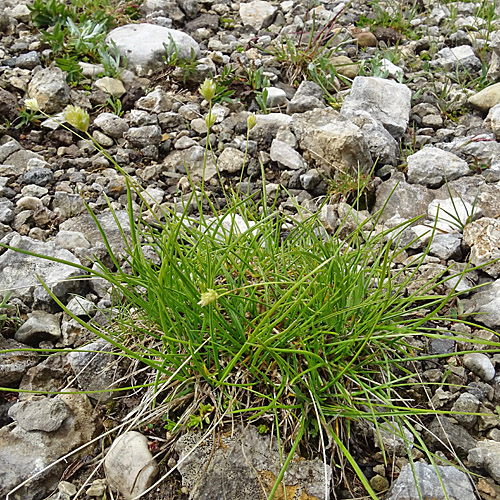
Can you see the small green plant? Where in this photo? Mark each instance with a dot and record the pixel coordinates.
(197, 420)
(173, 60)
(29, 113)
(115, 104)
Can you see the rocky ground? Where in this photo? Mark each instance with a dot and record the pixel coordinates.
(409, 88)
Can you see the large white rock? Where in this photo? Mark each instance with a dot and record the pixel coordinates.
(144, 45)
(130, 467)
(432, 166)
(386, 101)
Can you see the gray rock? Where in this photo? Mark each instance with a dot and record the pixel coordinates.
(432, 166)
(286, 156)
(257, 13)
(129, 465)
(486, 302)
(71, 240)
(50, 375)
(111, 125)
(13, 365)
(39, 326)
(80, 306)
(19, 271)
(310, 180)
(308, 88)
(97, 370)
(386, 101)
(194, 160)
(6, 212)
(483, 238)
(143, 45)
(68, 205)
(244, 465)
(383, 147)
(481, 365)
(446, 246)
(49, 87)
(157, 102)
(28, 60)
(486, 455)
(391, 441)
(8, 103)
(399, 199)
(332, 141)
(461, 57)
(492, 121)
(430, 480)
(466, 403)
(19, 161)
(23, 453)
(86, 225)
(144, 136)
(231, 160)
(267, 126)
(38, 176)
(7, 149)
(303, 103)
(276, 97)
(40, 413)
(443, 432)
(452, 214)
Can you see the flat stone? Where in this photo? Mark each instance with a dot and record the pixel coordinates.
(111, 125)
(143, 45)
(386, 101)
(443, 432)
(19, 271)
(286, 156)
(245, 464)
(461, 57)
(431, 480)
(86, 225)
(432, 166)
(111, 86)
(129, 465)
(40, 413)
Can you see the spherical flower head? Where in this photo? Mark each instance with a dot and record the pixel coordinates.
(208, 88)
(251, 121)
(208, 297)
(32, 104)
(77, 117)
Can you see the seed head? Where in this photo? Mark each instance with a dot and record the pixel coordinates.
(77, 117)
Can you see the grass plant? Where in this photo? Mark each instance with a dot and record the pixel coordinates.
(247, 314)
